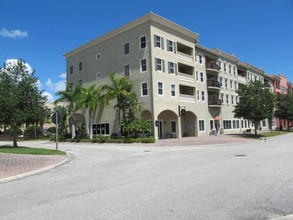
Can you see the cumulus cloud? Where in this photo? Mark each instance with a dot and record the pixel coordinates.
(13, 33)
(62, 75)
(12, 62)
(49, 96)
(55, 86)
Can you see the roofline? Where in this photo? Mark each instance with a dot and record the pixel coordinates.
(146, 18)
(226, 55)
(249, 66)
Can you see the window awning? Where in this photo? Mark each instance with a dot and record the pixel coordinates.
(217, 118)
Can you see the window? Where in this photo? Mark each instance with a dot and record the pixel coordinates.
(200, 60)
(98, 56)
(80, 82)
(197, 76)
(231, 83)
(173, 126)
(126, 48)
(100, 129)
(221, 81)
(234, 71)
(201, 125)
(71, 85)
(143, 65)
(159, 42)
(225, 67)
(202, 96)
(227, 124)
(222, 97)
(127, 70)
(232, 99)
(227, 99)
(144, 89)
(160, 65)
(142, 43)
(197, 93)
(71, 69)
(235, 85)
(171, 46)
(160, 88)
(173, 90)
(172, 67)
(80, 66)
(220, 64)
(230, 69)
(201, 76)
(226, 83)
(98, 75)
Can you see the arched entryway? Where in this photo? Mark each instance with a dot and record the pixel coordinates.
(167, 124)
(146, 114)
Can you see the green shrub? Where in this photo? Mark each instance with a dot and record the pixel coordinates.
(148, 140)
(51, 130)
(9, 131)
(100, 139)
(31, 131)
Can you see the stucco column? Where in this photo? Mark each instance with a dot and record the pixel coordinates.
(179, 133)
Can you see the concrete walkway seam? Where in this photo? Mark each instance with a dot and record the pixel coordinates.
(38, 171)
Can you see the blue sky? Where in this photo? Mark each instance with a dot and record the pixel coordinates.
(259, 32)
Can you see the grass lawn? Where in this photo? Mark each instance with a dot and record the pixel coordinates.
(263, 134)
(27, 150)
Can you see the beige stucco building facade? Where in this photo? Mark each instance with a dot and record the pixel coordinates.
(171, 72)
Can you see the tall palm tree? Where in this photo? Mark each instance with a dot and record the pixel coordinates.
(69, 95)
(119, 90)
(90, 98)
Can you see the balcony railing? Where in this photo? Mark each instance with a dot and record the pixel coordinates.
(213, 83)
(215, 102)
(184, 56)
(213, 66)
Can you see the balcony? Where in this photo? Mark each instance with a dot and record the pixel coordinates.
(215, 103)
(242, 80)
(187, 98)
(184, 56)
(212, 68)
(214, 85)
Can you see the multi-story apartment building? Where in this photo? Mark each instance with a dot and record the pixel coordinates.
(183, 88)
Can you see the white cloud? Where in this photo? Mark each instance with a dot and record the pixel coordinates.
(13, 33)
(49, 96)
(55, 86)
(62, 76)
(12, 62)
(39, 84)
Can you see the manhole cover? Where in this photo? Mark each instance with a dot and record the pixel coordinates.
(240, 155)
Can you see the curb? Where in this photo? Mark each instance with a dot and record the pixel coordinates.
(38, 171)
(287, 217)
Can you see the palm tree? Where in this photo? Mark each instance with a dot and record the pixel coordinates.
(121, 91)
(90, 98)
(69, 95)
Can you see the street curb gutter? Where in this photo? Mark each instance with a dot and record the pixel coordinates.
(38, 171)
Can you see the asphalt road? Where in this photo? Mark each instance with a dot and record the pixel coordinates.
(243, 181)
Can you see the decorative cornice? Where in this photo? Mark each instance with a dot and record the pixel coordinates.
(146, 18)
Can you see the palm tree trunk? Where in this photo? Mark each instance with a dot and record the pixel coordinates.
(90, 125)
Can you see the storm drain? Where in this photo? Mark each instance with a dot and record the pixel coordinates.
(240, 155)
